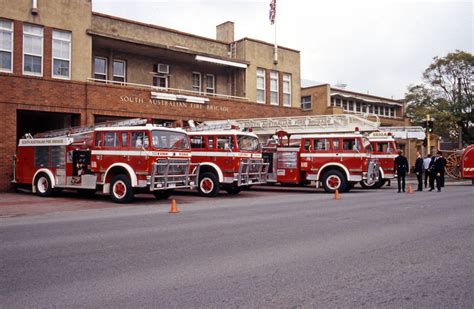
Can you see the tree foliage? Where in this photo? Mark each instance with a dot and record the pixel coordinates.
(446, 93)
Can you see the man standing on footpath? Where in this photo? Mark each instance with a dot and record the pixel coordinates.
(439, 167)
(426, 166)
(400, 168)
(419, 170)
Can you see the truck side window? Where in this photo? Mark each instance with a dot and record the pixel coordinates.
(198, 142)
(321, 144)
(110, 139)
(138, 139)
(336, 144)
(225, 142)
(348, 144)
(210, 142)
(307, 144)
(124, 139)
(98, 139)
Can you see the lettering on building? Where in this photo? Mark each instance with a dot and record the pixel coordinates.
(173, 104)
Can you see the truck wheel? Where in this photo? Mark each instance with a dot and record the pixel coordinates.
(121, 190)
(162, 194)
(233, 190)
(208, 184)
(366, 185)
(334, 180)
(43, 185)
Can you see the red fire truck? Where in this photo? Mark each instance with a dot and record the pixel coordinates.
(384, 151)
(228, 158)
(467, 163)
(337, 161)
(118, 158)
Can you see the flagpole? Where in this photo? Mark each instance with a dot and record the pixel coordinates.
(275, 50)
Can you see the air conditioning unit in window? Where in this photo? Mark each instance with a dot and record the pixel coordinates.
(161, 68)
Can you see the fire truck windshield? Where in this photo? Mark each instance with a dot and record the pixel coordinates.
(170, 140)
(250, 143)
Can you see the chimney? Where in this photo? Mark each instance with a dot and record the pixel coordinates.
(225, 32)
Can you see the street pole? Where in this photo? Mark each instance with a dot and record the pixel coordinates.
(460, 102)
(427, 131)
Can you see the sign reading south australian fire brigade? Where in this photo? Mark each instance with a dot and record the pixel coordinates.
(174, 104)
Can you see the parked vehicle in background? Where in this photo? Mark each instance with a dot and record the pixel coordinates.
(119, 158)
(460, 163)
(335, 161)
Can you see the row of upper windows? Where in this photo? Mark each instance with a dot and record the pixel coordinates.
(353, 107)
(274, 87)
(200, 82)
(33, 50)
(359, 107)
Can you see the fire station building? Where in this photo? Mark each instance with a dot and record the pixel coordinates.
(62, 65)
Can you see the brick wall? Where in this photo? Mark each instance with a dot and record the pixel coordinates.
(88, 100)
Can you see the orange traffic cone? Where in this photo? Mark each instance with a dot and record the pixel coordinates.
(174, 208)
(410, 189)
(336, 195)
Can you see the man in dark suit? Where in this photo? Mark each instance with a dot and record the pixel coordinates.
(419, 171)
(439, 168)
(400, 168)
(432, 175)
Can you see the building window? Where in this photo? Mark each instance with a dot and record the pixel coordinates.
(32, 50)
(338, 103)
(210, 83)
(351, 106)
(100, 68)
(160, 81)
(392, 112)
(274, 88)
(61, 54)
(6, 46)
(306, 103)
(119, 70)
(371, 109)
(260, 85)
(286, 90)
(358, 107)
(197, 81)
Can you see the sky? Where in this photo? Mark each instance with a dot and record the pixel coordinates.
(373, 46)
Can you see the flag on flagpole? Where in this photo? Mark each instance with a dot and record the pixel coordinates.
(272, 11)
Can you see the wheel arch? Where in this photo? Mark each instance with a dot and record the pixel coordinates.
(337, 166)
(211, 167)
(47, 172)
(116, 169)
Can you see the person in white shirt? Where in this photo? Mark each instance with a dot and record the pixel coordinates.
(426, 166)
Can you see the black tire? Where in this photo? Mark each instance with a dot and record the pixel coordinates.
(334, 180)
(162, 194)
(365, 185)
(208, 185)
(233, 190)
(121, 190)
(43, 185)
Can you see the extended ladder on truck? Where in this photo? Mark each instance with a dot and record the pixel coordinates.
(88, 129)
(297, 124)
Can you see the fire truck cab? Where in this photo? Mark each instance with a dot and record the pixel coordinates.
(228, 159)
(384, 151)
(337, 161)
(119, 160)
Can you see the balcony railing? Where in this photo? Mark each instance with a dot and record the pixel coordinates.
(166, 90)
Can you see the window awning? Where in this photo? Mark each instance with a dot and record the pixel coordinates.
(221, 61)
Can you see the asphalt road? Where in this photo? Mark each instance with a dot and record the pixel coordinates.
(267, 249)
